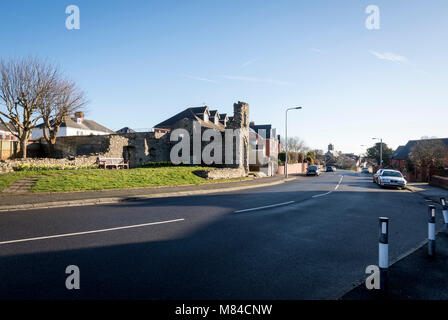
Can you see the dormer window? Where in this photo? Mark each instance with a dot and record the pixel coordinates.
(78, 120)
(205, 117)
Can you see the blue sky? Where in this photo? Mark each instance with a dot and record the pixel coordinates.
(142, 61)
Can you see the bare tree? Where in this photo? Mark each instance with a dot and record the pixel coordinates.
(24, 85)
(62, 101)
(427, 153)
(296, 144)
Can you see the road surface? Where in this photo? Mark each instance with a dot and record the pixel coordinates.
(307, 239)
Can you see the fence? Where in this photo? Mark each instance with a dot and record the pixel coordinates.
(7, 149)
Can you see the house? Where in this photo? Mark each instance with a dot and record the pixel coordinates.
(400, 159)
(76, 126)
(271, 139)
(8, 142)
(5, 134)
(205, 117)
(125, 130)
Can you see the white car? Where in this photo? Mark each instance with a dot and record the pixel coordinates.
(391, 178)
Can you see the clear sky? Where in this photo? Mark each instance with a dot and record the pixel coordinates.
(142, 61)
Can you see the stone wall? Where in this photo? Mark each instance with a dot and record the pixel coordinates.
(137, 148)
(84, 161)
(240, 122)
(222, 173)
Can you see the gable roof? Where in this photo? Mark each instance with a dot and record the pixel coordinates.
(398, 153)
(4, 128)
(404, 152)
(84, 125)
(125, 130)
(267, 128)
(194, 113)
(214, 113)
(189, 113)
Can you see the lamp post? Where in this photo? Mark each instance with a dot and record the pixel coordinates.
(360, 155)
(286, 139)
(381, 151)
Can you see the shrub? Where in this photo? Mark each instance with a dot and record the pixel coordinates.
(294, 157)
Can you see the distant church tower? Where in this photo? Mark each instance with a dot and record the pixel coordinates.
(330, 147)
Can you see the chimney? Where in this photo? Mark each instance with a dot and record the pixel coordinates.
(79, 115)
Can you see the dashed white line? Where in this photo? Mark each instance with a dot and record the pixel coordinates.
(89, 232)
(264, 207)
(321, 195)
(336, 188)
(289, 202)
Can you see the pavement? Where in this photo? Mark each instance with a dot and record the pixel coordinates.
(428, 192)
(415, 277)
(308, 238)
(30, 200)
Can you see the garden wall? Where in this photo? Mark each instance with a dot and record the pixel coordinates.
(438, 181)
(293, 168)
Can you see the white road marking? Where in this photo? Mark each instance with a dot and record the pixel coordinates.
(264, 207)
(321, 195)
(289, 202)
(89, 232)
(336, 188)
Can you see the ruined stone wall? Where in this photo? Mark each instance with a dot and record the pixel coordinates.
(137, 148)
(142, 147)
(240, 121)
(77, 162)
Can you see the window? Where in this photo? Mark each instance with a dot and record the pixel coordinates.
(205, 117)
(391, 174)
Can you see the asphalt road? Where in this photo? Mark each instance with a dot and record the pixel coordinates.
(314, 245)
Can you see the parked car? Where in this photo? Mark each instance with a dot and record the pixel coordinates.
(392, 178)
(313, 171)
(330, 169)
(375, 176)
(365, 170)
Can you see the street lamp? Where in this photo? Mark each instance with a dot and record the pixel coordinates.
(360, 155)
(381, 151)
(286, 139)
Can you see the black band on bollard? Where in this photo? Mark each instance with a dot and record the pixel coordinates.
(431, 230)
(384, 230)
(432, 214)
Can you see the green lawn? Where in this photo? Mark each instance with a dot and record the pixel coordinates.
(100, 179)
(8, 179)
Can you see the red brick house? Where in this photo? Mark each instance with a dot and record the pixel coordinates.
(400, 161)
(272, 140)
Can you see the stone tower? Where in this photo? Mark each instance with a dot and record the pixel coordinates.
(241, 121)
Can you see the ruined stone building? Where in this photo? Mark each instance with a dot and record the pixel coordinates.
(142, 147)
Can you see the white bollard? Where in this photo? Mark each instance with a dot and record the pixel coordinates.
(444, 211)
(431, 230)
(383, 256)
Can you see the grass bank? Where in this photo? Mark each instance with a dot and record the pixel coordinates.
(100, 179)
